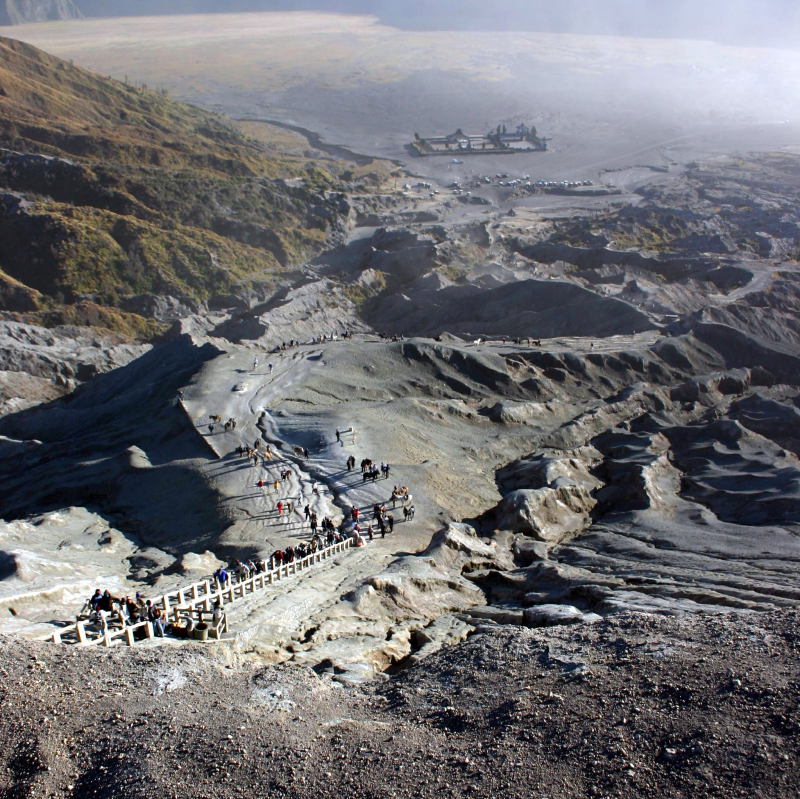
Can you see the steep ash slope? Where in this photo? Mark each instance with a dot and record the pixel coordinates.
(599, 475)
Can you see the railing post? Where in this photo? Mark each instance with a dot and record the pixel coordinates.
(165, 602)
(106, 638)
(129, 635)
(56, 637)
(181, 596)
(149, 629)
(80, 630)
(195, 591)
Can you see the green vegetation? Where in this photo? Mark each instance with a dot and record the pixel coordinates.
(112, 191)
(362, 293)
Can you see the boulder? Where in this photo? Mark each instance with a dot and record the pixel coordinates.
(546, 514)
(200, 564)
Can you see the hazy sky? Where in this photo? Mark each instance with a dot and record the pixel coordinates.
(768, 22)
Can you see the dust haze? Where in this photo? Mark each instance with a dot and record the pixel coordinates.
(768, 23)
(606, 82)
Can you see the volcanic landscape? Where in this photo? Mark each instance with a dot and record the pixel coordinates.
(583, 364)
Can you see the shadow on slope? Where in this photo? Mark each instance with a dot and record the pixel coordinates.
(543, 309)
(116, 444)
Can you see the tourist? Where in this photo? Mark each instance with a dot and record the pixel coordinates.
(218, 615)
(156, 618)
(132, 610)
(94, 600)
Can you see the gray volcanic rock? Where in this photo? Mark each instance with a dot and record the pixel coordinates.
(39, 364)
(116, 443)
(547, 514)
(164, 308)
(306, 312)
(769, 418)
(548, 615)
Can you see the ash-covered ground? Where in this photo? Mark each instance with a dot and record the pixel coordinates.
(635, 703)
(592, 393)
(595, 437)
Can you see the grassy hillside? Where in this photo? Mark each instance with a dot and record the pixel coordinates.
(109, 191)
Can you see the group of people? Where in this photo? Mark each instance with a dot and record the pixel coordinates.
(255, 452)
(255, 365)
(317, 543)
(228, 425)
(401, 494)
(369, 470)
(325, 337)
(286, 345)
(237, 572)
(106, 609)
(381, 522)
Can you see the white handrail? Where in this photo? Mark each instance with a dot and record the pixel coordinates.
(202, 593)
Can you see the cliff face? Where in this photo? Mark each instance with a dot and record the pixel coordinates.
(17, 12)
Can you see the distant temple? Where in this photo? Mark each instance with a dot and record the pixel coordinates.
(522, 140)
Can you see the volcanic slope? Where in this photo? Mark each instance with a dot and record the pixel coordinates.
(122, 208)
(643, 472)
